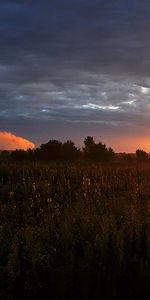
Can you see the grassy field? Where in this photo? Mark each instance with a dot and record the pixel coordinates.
(75, 232)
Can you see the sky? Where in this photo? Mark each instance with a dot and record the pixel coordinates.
(72, 68)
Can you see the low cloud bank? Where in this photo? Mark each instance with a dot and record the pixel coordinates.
(9, 141)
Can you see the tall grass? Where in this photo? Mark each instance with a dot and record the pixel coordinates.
(74, 232)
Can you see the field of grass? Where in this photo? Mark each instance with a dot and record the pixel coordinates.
(74, 232)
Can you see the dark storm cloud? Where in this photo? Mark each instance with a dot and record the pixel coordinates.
(73, 33)
(77, 62)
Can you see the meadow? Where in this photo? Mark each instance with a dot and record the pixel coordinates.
(74, 231)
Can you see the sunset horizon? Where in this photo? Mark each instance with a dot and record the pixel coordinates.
(75, 149)
(75, 68)
(9, 141)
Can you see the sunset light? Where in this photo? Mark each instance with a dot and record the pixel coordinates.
(75, 149)
(9, 141)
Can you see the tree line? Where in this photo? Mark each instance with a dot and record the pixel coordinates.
(55, 150)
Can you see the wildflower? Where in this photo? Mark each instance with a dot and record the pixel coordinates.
(34, 187)
(11, 194)
(23, 180)
(49, 200)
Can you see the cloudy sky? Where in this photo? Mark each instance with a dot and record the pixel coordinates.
(71, 68)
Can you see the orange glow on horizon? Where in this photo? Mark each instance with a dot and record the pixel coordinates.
(9, 141)
(128, 144)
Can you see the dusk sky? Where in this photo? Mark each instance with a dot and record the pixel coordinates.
(72, 68)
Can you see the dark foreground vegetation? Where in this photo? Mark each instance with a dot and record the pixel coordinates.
(74, 231)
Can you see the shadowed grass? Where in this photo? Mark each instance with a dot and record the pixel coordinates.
(74, 232)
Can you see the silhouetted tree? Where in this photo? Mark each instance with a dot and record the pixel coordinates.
(97, 152)
(19, 155)
(55, 150)
(51, 150)
(111, 154)
(5, 155)
(30, 154)
(37, 154)
(69, 151)
(141, 156)
(126, 158)
(89, 147)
